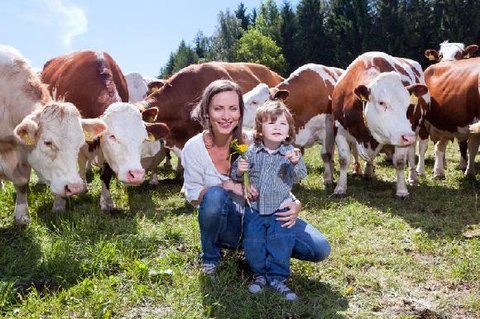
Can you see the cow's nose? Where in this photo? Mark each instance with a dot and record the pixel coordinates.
(408, 139)
(73, 189)
(136, 176)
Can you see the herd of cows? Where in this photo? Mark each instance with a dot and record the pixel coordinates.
(82, 109)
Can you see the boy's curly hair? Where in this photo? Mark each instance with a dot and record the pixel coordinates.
(271, 110)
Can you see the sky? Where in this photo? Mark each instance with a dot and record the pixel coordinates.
(138, 34)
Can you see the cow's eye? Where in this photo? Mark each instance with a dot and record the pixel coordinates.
(112, 138)
(48, 143)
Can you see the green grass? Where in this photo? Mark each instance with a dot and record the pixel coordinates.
(414, 258)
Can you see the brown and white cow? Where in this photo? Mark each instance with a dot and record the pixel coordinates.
(181, 91)
(371, 102)
(455, 90)
(94, 82)
(37, 133)
(451, 51)
(307, 92)
(139, 87)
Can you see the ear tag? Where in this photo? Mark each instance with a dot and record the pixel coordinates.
(364, 103)
(150, 137)
(413, 99)
(88, 136)
(431, 57)
(363, 98)
(28, 139)
(466, 56)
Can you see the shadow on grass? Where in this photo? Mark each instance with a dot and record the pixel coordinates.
(226, 296)
(439, 209)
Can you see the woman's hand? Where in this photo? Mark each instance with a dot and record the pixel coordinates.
(290, 216)
(236, 188)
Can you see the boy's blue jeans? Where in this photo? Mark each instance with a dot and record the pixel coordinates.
(268, 246)
(221, 226)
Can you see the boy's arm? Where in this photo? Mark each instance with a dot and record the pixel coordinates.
(299, 171)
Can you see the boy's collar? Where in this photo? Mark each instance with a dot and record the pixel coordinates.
(282, 149)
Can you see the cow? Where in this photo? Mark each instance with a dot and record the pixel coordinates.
(140, 87)
(451, 51)
(37, 132)
(176, 98)
(375, 103)
(95, 83)
(307, 92)
(455, 91)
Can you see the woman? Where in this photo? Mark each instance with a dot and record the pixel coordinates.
(206, 158)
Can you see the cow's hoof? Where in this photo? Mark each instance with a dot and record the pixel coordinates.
(413, 182)
(402, 196)
(153, 183)
(22, 220)
(439, 177)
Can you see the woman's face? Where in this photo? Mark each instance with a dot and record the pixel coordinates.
(224, 112)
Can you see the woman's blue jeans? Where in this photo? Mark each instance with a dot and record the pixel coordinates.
(221, 226)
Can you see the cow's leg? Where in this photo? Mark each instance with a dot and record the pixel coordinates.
(439, 166)
(399, 159)
(412, 173)
(106, 202)
(473, 142)
(20, 213)
(356, 168)
(369, 171)
(1, 184)
(168, 159)
(327, 150)
(157, 159)
(343, 148)
(463, 146)
(422, 150)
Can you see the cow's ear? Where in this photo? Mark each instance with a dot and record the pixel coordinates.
(431, 55)
(417, 89)
(156, 131)
(92, 128)
(470, 50)
(150, 115)
(281, 94)
(26, 132)
(362, 92)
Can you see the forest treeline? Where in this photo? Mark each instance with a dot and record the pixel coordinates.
(333, 33)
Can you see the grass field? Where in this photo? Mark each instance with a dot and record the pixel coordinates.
(414, 258)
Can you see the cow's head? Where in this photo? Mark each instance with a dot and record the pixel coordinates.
(252, 101)
(53, 137)
(123, 142)
(451, 51)
(384, 106)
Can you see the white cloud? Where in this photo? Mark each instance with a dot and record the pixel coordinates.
(66, 18)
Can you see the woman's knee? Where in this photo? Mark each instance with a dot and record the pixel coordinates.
(213, 202)
(321, 249)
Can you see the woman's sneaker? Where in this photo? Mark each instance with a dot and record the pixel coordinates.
(283, 289)
(257, 284)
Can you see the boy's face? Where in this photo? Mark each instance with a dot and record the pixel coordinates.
(275, 132)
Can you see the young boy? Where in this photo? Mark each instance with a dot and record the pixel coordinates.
(274, 166)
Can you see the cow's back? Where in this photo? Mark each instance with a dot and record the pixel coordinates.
(91, 80)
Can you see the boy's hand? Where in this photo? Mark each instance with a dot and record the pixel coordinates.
(242, 166)
(293, 156)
